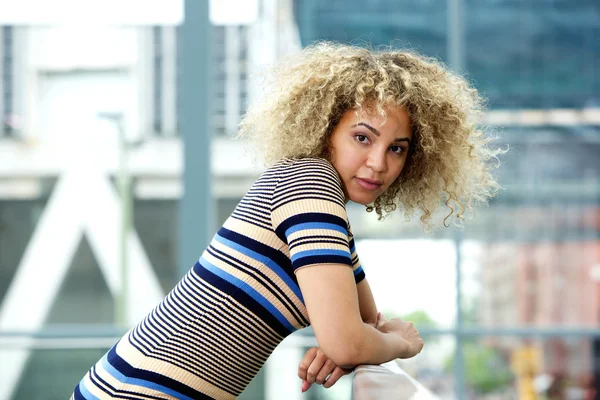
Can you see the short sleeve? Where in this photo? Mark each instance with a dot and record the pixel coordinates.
(359, 273)
(308, 213)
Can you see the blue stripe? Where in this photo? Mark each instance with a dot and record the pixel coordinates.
(77, 394)
(358, 270)
(85, 392)
(265, 260)
(243, 298)
(271, 253)
(315, 225)
(249, 290)
(311, 260)
(352, 246)
(320, 252)
(140, 382)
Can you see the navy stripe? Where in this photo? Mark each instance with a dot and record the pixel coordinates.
(115, 393)
(178, 355)
(322, 259)
(239, 318)
(252, 221)
(303, 241)
(255, 205)
(109, 389)
(194, 329)
(251, 212)
(243, 298)
(307, 180)
(263, 279)
(359, 277)
(317, 239)
(295, 196)
(308, 217)
(273, 254)
(126, 369)
(238, 336)
(77, 394)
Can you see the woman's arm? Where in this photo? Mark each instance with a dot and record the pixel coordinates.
(331, 299)
(366, 302)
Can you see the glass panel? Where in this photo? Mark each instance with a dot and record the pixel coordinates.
(83, 297)
(540, 238)
(18, 219)
(156, 222)
(527, 67)
(53, 374)
(414, 24)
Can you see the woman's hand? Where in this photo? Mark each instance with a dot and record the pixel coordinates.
(406, 330)
(315, 367)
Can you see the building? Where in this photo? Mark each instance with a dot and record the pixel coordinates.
(72, 98)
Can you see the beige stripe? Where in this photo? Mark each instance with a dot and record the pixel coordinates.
(262, 349)
(218, 372)
(252, 282)
(93, 389)
(191, 340)
(307, 205)
(268, 339)
(193, 332)
(320, 246)
(294, 186)
(111, 380)
(319, 232)
(251, 320)
(273, 276)
(138, 360)
(265, 236)
(241, 351)
(150, 332)
(256, 323)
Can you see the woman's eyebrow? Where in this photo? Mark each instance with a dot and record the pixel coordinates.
(376, 132)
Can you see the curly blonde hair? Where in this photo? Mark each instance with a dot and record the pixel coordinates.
(450, 160)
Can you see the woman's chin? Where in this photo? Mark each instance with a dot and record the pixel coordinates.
(362, 199)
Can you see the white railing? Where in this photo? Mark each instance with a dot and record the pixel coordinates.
(387, 381)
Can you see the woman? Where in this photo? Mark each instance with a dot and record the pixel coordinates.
(339, 123)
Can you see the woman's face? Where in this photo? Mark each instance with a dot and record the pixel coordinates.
(367, 155)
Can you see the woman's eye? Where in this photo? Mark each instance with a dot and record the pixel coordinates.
(361, 138)
(397, 149)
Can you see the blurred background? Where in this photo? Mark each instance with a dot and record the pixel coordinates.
(118, 162)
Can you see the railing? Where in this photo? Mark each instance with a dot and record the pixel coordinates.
(387, 381)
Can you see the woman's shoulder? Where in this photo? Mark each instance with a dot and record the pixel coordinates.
(307, 165)
(308, 176)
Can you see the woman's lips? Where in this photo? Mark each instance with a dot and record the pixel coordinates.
(368, 184)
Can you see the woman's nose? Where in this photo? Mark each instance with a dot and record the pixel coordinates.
(377, 161)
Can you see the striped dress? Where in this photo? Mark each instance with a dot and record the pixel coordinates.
(213, 332)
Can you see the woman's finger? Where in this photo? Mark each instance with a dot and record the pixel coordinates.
(316, 366)
(327, 369)
(305, 385)
(306, 362)
(380, 320)
(335, 376)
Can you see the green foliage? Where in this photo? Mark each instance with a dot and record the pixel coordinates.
(486, 371)
(420, 319)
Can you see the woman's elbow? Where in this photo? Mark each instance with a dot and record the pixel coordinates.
(343, 353)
